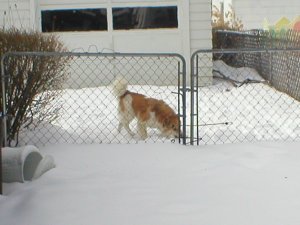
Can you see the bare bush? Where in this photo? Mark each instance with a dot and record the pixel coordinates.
(31, 82)
(224, 21)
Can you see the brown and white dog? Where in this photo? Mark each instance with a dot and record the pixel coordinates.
(149, 112)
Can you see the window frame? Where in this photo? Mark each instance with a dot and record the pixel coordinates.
(146, 28)
(105, 15)
(109, 15)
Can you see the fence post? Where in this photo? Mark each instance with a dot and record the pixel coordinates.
(1, 141)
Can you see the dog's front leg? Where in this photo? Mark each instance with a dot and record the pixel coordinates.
(127, 128)
(125, 123)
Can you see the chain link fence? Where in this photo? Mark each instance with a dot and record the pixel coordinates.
(243, 102)
(280, 67)
(256, 39)
(84, 110)
(232, 97)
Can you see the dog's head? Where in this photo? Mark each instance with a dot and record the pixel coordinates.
(171, 126)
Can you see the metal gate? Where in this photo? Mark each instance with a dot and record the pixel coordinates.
(245, 95)
(75, 103)
(235, 95)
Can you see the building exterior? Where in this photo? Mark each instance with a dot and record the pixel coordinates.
(131, 26)
(189, 27)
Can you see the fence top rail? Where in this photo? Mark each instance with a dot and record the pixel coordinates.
(246, 50)
(244, 33)
(79, 54)
(255, 32)
(90, 54)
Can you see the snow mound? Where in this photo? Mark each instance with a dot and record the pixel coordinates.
(237, 74)
(24, 163)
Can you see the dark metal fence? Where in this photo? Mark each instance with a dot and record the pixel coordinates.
(84, 109)
(241, 104)
(280, 68)
(256, 39)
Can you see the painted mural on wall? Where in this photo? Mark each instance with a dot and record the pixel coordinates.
(283, 24)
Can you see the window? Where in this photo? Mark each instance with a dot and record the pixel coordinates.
(74, 20)
(144, 17)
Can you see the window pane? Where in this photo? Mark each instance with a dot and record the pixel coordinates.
(145, 17)
(74, 20)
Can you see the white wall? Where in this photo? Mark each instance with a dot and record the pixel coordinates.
(201, 36)
(193, 32)
(253, 13)
(194, 29)
(166, 40)
(200, 25)
(17, 13)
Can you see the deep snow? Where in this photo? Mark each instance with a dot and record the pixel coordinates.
(252, 112)
(249, 184)
(166, 184)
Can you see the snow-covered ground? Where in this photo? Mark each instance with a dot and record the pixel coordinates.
(234, 112)
(228, 113)
(89, 115)
(163, 183)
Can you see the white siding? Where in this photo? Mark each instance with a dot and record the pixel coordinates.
(193, 32)
(253, 14)
(201, 36)
(200, 25)
(16, 14)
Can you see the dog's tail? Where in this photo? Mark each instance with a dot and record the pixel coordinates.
(119, 86)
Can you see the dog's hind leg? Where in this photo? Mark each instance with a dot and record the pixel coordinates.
(125, 123)
(126, 114)
(142, 130)
(127, 128)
